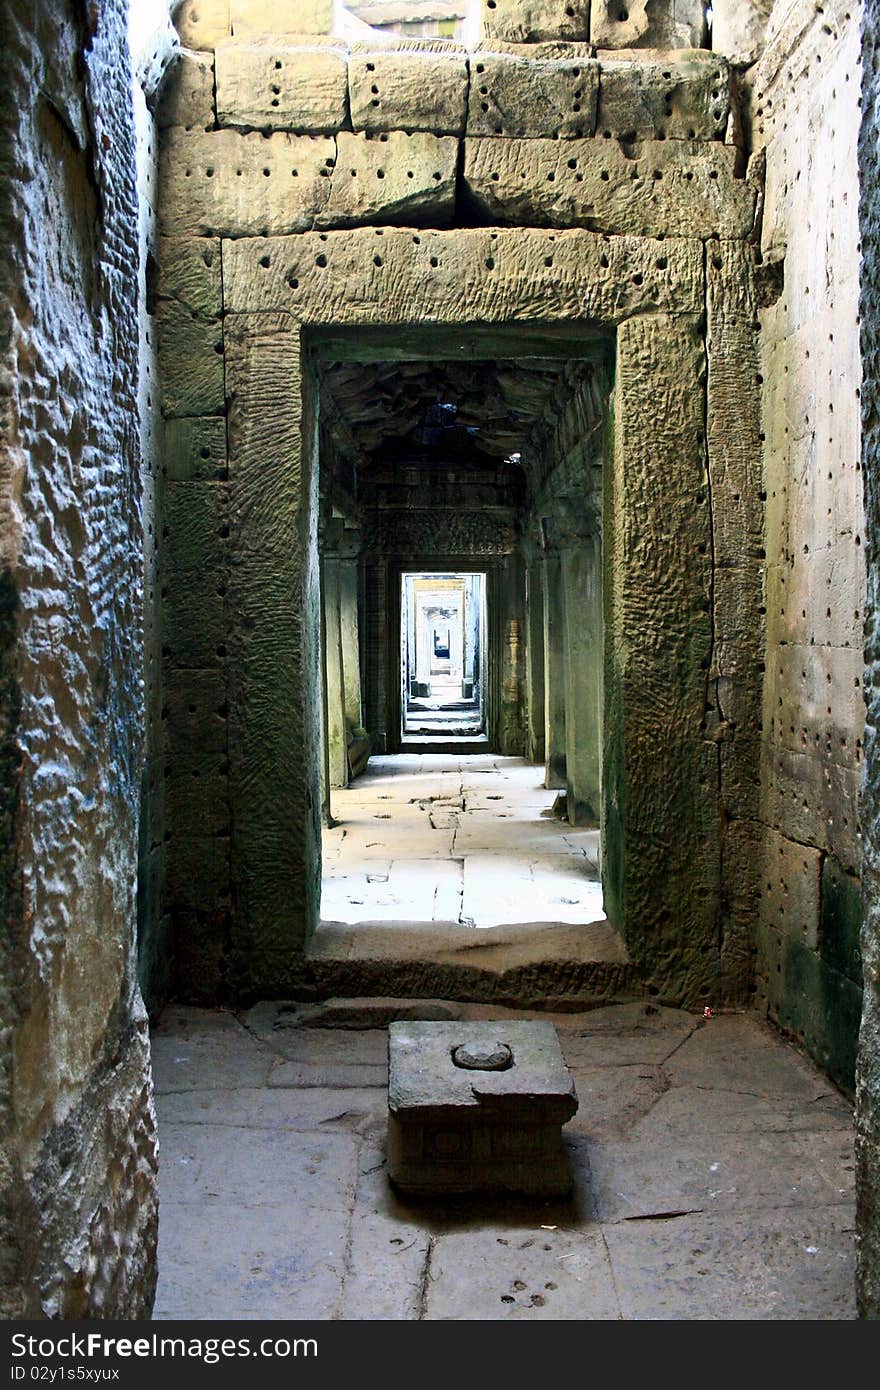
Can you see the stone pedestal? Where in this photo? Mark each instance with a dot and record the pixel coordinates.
(478, 1107)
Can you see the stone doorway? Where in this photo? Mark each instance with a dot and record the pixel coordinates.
(442, 657)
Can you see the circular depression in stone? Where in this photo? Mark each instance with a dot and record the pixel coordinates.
(482, 1056)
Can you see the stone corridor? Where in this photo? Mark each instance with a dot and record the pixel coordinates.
(456, 841)
(712, 1166)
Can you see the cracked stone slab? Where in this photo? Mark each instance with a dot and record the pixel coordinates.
(408, 85)
(793, 1264)
(533, 90)
(193, 1049)
(733, 1112)
(712, 1171)
(279, 85)
(738, 1054)
(526, 1274)
(343, 1075)
(675, 187)
(612, 1100)
(242, 184)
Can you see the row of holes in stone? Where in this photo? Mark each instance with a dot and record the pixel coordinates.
(321, 260)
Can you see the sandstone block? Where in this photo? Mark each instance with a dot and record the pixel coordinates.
(671, 188)
(188, 92)
(478, 1106)
(279, 85)
(202, 23)
(249, 17)
(411, 86)
(195, 515)
(533, 90)
(677, 96)
(195, 449)
(191, 358)
(195, 710)
(189, 275)
(789, 888)
(648, 23)
(525, 21)
(391, 178)
(250, 184)
(242, 185)
(441, 277)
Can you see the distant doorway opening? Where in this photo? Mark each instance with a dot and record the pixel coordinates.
(442, 656)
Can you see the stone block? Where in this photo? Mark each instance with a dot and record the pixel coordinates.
(194, 621)
(477, 1106)
(240, 185)
(410, 86)
(197, 872)
(790, 888)
(196, 519)
(663, 95)
(250, 17)
(191, 357)
(527, 21)
(392, 178)
(672, 188)
(202, 23)
(269, 186)
(543, 89)
(197, 794)
(187, 97)
(195, 711)
(195, 449)
(189, 275)
(648, 23)
(841, 920)
(280, 85)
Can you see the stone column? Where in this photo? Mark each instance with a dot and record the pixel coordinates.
(349, 631)
(554, 672)
(535, 658)
(581, 570)
(335, 725)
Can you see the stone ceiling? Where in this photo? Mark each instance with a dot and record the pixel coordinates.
(494, 404)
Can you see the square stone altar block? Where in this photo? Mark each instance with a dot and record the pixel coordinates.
(478, 1107)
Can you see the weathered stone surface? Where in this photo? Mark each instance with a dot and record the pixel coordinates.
(201, 23)
(738, 29)
(414, 85)
(189, 275)
(787, 1265)
(78, 1217)
(195, 449)
(648, 23)
(188, 93)
(278, 85)
(441, 277)
(661, 855)
(526, 21)
(255, 17)
(250, 185)
(675, 96)
(454, 1128)
(239, 185)
(790, 888)
(533, 90)
(191, 355)
(672, 188)
(394, 178)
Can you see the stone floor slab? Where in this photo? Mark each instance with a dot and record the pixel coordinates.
(793, 1264)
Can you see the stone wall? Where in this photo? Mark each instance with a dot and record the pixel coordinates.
(79, 1161)
(805, 96)
(868, 1078)
(308, 185)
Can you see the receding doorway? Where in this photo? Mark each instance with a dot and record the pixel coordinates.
(442, 656)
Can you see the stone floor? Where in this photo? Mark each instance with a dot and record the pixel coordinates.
(712, 1166)
(457, 841)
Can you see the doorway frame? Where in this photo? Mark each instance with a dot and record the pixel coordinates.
(663, 823)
